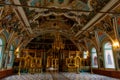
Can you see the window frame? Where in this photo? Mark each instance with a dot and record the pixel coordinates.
(104, 55)
(94, 52)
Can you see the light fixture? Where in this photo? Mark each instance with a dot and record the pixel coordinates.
(17, 52)
(85, 54)
(116, 44)
(58, 43)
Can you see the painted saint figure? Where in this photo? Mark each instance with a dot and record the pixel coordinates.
(95, 60)
(109, 59)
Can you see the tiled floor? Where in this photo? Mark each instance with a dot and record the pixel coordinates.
(87, 76)
(59, 76)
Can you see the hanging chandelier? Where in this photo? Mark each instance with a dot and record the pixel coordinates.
(58, 43)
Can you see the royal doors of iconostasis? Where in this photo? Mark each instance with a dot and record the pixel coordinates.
(52, 61)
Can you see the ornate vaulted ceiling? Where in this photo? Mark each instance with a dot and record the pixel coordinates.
(73, 19)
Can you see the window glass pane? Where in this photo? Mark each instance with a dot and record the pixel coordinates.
(11, 47)
(93, 50)
(0, 52)
(85, 54)
(108, 46)
(1, 42)
(1, 48)
(94, 58)
(108, 56)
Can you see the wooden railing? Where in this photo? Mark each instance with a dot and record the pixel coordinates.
(4, 73)
(110, 73)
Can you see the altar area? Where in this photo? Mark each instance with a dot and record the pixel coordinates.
(34, 61)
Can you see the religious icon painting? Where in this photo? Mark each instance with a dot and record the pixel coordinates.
(95, 60)
(109, 59)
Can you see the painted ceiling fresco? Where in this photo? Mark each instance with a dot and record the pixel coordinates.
(39, 9)
(30, 18)
(9, 20)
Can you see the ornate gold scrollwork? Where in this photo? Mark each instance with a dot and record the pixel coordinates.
(73, 64)
(31, 64)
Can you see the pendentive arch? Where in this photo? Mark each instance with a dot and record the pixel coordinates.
(108, 36)
(92, 43)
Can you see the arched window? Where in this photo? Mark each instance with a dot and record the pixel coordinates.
(94, 58)
(11, 56)
(1, 45)
(1, 51)
(108, 56)
(85, 54)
